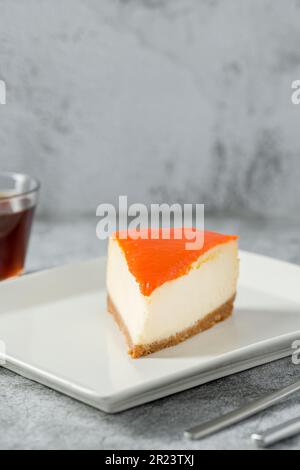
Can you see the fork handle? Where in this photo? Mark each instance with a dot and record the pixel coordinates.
(277, 433)
(202, 430)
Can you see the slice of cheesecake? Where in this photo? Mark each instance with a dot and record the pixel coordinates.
(161, 293)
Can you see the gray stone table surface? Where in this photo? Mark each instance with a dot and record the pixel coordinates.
(35, 417)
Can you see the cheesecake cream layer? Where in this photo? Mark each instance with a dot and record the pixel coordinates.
(177, 305)
(138, 350)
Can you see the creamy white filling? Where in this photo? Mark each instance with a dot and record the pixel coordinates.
(124, 291)
(177, 304)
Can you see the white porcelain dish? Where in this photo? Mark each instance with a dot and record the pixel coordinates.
(57, 332)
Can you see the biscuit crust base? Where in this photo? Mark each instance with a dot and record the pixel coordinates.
(139, 350)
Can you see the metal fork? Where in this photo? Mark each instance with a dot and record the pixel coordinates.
(202, 430)
(277, 433)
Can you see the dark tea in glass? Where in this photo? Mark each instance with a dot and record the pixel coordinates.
(18, 199)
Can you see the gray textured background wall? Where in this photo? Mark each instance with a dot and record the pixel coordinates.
(162, 100)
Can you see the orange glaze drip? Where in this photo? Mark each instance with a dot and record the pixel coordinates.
(155, 261)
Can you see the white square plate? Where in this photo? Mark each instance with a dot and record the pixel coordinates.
(56, 331)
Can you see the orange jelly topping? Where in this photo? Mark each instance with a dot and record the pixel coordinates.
(154, 261)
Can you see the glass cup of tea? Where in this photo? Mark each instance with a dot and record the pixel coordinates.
(18, 200)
